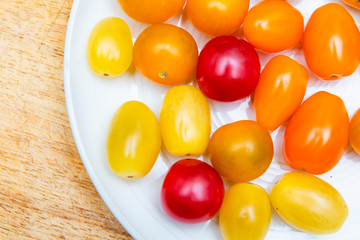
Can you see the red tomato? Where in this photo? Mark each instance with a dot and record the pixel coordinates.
(331, 42)
(228, 69)
(226, 15)
(280, 91)
(317, 134)
(192, 191)
(355, 131)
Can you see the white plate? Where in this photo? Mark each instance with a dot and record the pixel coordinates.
(92, 101)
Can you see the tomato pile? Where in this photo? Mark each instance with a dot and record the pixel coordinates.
(227, 69)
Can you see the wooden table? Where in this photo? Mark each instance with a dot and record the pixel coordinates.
(45, 192)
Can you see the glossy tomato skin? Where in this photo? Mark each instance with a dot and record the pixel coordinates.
(355, 132)
(353, 3)
(280, 91)
(109, 48)
(159, 51)
(130, 153)
(317, 134)
(185, 126)
(228, 69)
(331, 42)
(226, 15)
(273, 26)
(308, 203)
(192, 191)
(245, 212)
(241, 151)
(151, 11)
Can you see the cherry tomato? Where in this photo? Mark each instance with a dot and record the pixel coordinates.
(216, 17)
(130, 153)
(273, 26)
(355, 132)
(192, 191)
(331, 42)
(245, 212)
(151, 11)
(228, 69)
(308, 203)
(241, 151)
(353, 3)
(185, 126)
(109, 48)
(280, 91)
(166, 54)
(317, 134)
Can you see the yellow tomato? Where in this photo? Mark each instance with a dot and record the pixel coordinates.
(308, 203)
(185, 121)
(245, 213)
(134, 140)
(109, 49)
(354, 138)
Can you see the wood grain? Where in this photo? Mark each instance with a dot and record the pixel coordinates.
(45, 192)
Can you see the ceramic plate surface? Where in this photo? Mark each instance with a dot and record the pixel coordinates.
(92, 101)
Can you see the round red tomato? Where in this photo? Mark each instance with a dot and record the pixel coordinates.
(317, 134)
(192, 191)
(228, 69)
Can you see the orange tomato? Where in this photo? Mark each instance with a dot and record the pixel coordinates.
(353, 3)
(216, 17)
(151, 11)
(280, 91)
(317, 134)
(273, 26)
(331, 42)
(165, 54)
(355, 131)
(241, 151)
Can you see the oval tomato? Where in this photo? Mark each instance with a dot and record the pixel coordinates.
(245, 212)
(353, 3)
(241, 151)
(161, 49)
(185, 126)
(109, 48)
(228, 69)
(308, 203)
(151, 11)
(280, 91)
(273, 26)
(130, 153)
(192, 191)
(331, 42)
(355, 132)
(317, 134)
(226, 15)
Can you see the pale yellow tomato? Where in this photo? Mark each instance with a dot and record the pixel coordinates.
(185, 121)
(109, 49)
(308, 203)
(245, 213)
(134, 140)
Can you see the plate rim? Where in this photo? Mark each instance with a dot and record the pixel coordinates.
(75, 130)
